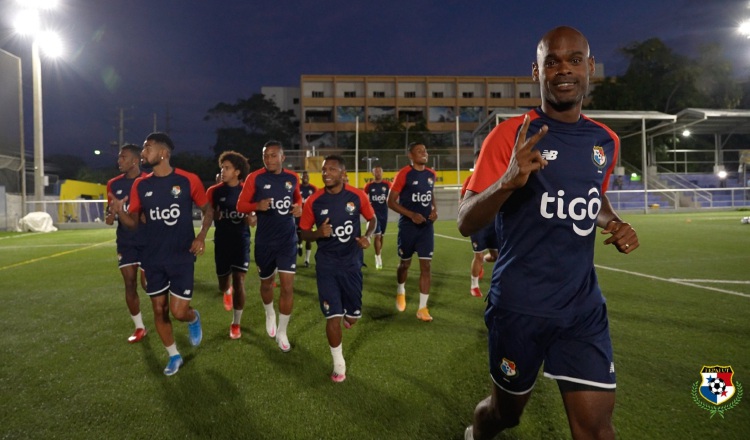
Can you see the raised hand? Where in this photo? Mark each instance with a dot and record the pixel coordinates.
(525, 158)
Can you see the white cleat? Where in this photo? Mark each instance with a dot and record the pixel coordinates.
(271, 326)
(283, 342)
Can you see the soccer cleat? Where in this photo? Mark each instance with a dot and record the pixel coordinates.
(476, 292)
(137, 335)
(195, 330)
(378, 266)
(175, 362)
(283, 342)
(234, 331)
(338, 378)
(481, 273)
(228, 299)
(423, 314)
(271, 326)
(401, 302)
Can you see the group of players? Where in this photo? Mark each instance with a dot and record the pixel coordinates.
(541, 179)
(155, 233)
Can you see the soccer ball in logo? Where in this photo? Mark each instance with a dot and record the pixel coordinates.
(717, 386)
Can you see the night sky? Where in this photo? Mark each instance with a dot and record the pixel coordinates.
(180, 58)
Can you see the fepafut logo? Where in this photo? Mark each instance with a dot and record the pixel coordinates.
(717, 387)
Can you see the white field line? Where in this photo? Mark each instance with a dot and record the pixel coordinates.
(59, 254)
(684, 282)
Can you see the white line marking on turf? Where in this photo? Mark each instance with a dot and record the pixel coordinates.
(452, 238)
(684, 282)
(710, 281)
(675, 281)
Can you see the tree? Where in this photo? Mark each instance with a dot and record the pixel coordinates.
(249, 123)
(390, 133)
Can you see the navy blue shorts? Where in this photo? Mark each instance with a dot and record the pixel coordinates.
(382, 224)
(176, 279)
(417, 238)
(340, 292)
(576, 349)
(231, 256)
(485, 239)
(128, 255)
(271, 258)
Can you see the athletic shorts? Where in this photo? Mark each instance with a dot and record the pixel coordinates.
(576, 349)
(485, 239)
(177, 279)
(272, 258)
(382, 223)
(419, 239)
(340, 292)
(231, 256)
(128, 255)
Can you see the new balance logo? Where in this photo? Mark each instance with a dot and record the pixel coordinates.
(324, 212)
(416, 182)
(148, 194)
(549, 154)
(119, 191)
(267, 186)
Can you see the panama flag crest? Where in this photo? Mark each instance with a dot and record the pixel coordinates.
(599, 157)
(716, 385)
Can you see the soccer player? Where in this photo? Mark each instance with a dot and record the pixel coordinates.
(129, 243)
(542, 177)
(273, 193)
(412, 196)
(377, 192)
(306, 189)
(164, 199)
(335, 211)
(483, 241)
(232, 235)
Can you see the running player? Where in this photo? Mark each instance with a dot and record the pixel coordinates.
(306, 189)
(129, 243)
(165, 198)
(273, 193)
(377, 192)
(232, 235)
(335, 212)
(412, 196)
(546, 194)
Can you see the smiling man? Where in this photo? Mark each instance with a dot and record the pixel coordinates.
(546, 195)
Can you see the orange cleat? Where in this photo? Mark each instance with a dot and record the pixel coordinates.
(423, 314)
(401, 302)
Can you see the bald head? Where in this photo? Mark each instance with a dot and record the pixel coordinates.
(561, 35)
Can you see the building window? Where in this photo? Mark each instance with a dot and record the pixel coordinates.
(437, 94)
(295, 101)
(524, 95)
(496, 94)
(318, 94)
(410, 94)
(468, 94)
(378, 94)
(350, 94)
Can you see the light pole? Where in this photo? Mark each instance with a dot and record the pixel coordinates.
(36, 79)
(28, 22)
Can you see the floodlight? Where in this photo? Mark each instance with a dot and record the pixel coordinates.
(686, 133)
(27, 22)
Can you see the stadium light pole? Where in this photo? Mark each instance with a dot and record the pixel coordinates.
(28, 22)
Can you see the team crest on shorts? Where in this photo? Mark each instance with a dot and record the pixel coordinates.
(176, 191)
(718, 388)
(598, 156)
(350, 208)
(508, 368)
(326, 306)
